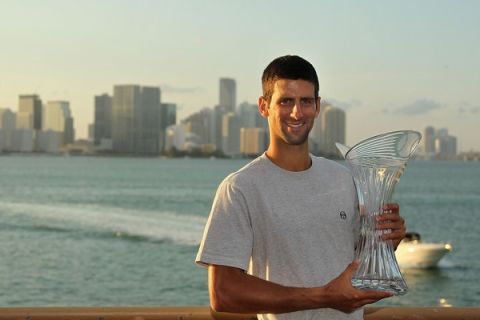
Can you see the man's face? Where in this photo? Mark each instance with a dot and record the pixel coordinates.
(291, 111)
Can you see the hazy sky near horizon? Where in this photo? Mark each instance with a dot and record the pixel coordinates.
(389, 64)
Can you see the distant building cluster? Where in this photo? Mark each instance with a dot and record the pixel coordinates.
(36, 127)
(438, 144)
(227, 129)
(134, 121)
(233, 130)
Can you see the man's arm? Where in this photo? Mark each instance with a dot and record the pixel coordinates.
(232, 290)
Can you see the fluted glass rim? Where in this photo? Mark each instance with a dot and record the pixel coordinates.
(379, 136)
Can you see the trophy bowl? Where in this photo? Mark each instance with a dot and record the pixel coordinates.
(377, 164)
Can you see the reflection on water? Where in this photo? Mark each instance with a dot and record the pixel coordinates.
(431, 286)
(419, 278)
(444, 302)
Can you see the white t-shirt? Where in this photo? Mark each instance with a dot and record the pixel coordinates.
(292, 228)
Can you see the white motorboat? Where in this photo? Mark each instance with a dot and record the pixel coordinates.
(412, 252)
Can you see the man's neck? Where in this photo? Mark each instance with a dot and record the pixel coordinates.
(293, 158)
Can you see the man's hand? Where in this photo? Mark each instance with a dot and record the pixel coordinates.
(391, 220)
(342, 296)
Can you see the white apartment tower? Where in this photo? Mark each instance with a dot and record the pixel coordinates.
(253, 141)
(55, 113)
(231, 134)
(333, 128)
(57, 117)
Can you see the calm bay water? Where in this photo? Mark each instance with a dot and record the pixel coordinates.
(88, 231)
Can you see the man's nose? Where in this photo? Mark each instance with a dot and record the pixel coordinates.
(297, 112)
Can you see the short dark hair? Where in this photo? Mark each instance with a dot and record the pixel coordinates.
(288, 67)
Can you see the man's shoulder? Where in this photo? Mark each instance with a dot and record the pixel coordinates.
(331, 165)
(247, 173)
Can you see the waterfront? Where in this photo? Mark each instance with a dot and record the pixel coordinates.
(89, 231)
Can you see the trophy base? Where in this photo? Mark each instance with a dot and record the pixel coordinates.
(396, 287)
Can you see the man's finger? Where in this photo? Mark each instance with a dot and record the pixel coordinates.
(391, 207)
(376, 294)
(352, 267)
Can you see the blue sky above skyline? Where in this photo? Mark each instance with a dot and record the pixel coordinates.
(390, 65)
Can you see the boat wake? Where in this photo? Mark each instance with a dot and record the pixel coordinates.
(103, 221)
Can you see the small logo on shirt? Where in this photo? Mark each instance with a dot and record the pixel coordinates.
(343, 215)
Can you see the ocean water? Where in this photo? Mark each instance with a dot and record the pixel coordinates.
(94, 231)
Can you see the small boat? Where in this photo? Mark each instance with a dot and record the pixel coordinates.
(412, 252)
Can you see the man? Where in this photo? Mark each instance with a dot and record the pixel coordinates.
(280, 238)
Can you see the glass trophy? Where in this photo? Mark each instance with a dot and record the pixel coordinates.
(377, 164)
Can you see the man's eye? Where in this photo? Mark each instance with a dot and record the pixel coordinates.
(286, 102)
(307, 101)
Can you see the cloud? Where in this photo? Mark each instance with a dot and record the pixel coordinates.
(179, 90)
(418, 107)
(466, 108)
(345, 105)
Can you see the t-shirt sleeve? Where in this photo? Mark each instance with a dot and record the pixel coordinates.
(228, 235)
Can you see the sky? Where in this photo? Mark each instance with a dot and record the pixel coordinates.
(390, 65)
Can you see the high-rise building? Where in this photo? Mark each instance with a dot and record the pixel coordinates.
(125, 101)
(228, 94)
(55, 113)
(442, 132)
(147, 128)
(23, 140)
(58, 117)
(248, 114)
(333, 129)
(29, 114)
(315, 137)
(49, 141)
(438, 144)
(102, 118)
(7, 128)
(136, 119)
(91, 131)
(69, 132)
(168, 117)
(445, 145)
(429, 141)
(231, 134)
(201, 124)
(218, 113)
(253, 141)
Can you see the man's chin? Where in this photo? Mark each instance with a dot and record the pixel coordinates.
(296, 141)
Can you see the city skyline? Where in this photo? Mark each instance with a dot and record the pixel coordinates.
(388, 66)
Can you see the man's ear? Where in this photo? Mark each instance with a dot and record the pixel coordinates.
(317, 105)
(263, 107)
